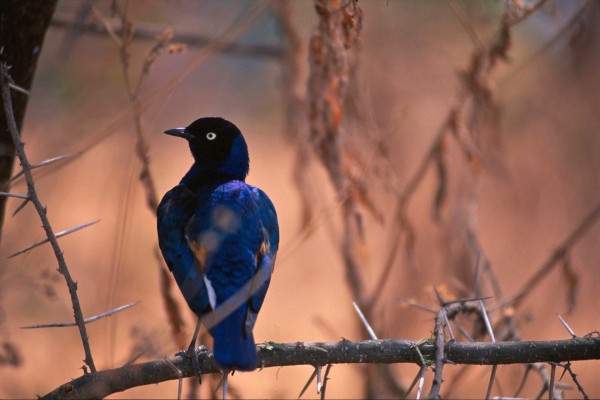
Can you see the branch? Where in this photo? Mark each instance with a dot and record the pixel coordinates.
(33, 196)
(104, 383)
(190, 39)
(559, 254)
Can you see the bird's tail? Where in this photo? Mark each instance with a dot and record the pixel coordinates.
(233, 349)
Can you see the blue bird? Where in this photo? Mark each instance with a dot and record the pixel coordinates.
(218, 236)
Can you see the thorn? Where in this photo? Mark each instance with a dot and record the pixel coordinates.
(417, 379)
(439, 297)
(58, 235)
(492, 379)
(421, 382)
(46, 162)
(85, 321)
(467, 300)
(448, 324)
(15, 195)
(312, 377)
(179, 374)
(567, 327)
(319, 383)
(417, 305)
(21, 206)
(364, 321)
(488, 326)
(18, 88)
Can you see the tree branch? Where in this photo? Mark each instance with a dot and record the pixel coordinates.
(191, 39)
(104, 383)
(41, 210)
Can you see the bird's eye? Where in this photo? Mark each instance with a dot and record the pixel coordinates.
(211, 136)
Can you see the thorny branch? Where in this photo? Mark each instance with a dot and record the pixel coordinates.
(116, 380)
(41, 210)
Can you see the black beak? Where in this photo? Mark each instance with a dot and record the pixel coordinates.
(180, 132)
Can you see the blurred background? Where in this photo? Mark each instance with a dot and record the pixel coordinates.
(529, 177)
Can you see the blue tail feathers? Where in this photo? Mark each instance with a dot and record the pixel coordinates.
(233, 349)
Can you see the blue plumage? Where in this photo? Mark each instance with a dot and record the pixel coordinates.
(216, 232)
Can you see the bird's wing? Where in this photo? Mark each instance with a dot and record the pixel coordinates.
(265, 257)
(173, 215)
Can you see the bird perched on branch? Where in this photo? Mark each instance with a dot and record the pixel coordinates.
(219, 237)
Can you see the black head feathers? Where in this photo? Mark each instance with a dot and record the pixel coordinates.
(218, 147)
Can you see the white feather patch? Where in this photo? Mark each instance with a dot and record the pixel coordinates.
(212, 296)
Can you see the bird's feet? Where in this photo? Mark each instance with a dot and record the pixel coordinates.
(225, 381)
(193, 353)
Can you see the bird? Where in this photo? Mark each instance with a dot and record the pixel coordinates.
(219, 237)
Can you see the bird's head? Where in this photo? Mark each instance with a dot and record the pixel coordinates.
(217, 145)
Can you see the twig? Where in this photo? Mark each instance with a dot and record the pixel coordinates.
(567, 367)
(41, 210)
(465, 24)
(559, 254)
(150, 32)
(56, 236)
(440, 357)
(87, 320)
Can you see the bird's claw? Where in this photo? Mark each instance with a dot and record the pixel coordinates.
(189, 353)
(193, 353)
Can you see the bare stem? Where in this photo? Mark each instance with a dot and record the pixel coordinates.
(41, 210)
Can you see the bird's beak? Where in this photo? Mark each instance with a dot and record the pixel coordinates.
(180, 132)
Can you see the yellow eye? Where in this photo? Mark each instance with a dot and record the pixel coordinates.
(211, 136)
